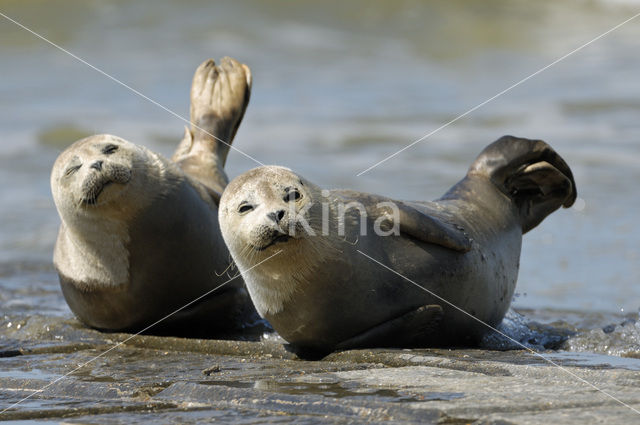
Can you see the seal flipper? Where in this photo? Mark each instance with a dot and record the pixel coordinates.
(538, 189)
(531, 173)
(410, 329)
(431, 229)
(219, 98)
(411, 221)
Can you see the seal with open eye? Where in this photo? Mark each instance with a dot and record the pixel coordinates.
(324, 290)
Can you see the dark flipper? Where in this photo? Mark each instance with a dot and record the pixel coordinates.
(531, 173)
(411, 221)
(431, 229)
(409, 330)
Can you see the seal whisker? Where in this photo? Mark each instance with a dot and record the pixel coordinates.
(224, 271)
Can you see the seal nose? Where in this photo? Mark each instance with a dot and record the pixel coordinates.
(97, 165)
(276, 215)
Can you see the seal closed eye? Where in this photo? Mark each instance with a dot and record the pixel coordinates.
(322, 292)
(109, 149)
(72, 169)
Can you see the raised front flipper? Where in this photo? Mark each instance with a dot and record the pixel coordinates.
(412, 329)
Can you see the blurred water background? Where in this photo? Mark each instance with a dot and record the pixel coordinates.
(338, 86)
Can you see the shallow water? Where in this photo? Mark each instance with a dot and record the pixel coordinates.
(338, 86)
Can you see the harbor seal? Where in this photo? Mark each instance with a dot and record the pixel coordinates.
(324, 290)
(139, 236)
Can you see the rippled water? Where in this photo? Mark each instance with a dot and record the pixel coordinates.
(338, 86)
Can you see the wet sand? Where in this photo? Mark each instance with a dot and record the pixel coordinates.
(167, 380)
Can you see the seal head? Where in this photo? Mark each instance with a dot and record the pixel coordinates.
(265, 211)
(96, 172)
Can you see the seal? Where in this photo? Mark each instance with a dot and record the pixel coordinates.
(139, 236)
(360, 270)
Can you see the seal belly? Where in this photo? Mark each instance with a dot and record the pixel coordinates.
(168, 272)
(479, 283)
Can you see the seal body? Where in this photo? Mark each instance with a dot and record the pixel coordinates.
(351, 269)
(139, 241)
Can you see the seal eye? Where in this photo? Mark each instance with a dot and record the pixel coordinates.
(245, 208)
(72, 170)
(109, 149)
(293, 194)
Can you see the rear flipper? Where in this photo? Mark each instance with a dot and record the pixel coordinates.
(411, 329)
(219, 97)
(531, 173)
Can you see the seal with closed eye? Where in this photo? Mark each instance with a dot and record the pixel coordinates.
(139, 236)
